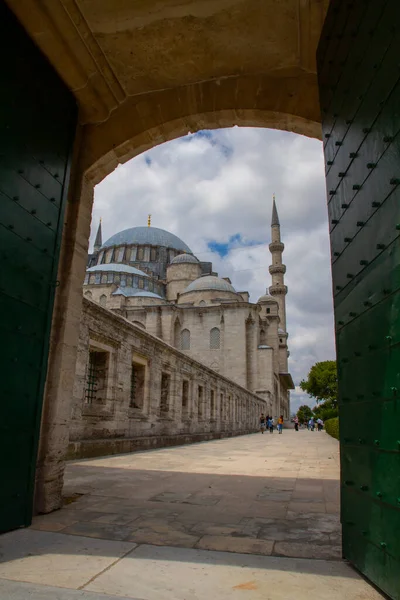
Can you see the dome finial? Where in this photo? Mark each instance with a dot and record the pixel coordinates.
(149, 221)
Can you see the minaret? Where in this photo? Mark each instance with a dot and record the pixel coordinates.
(277, 269)
(98, 241)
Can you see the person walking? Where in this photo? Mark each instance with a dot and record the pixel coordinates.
(296, 423)
(280, 424)
(320, 424)
(270, 424)
(262, 422)
(311, 424)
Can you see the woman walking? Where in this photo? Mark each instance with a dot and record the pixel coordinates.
(296, 423)
(280, 424)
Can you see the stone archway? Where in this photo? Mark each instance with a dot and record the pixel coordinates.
(131, 98)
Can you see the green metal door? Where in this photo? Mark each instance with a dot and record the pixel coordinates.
(358, 67)
(37, 127)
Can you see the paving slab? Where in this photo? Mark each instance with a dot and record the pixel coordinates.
(56, 559)
(250, 517)
(164, 497)
(165, 573)
(15, 590)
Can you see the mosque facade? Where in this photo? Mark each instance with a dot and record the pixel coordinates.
(152, 278)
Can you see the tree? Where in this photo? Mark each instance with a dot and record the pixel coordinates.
(321, 383)
(325, 411)
(304, 413)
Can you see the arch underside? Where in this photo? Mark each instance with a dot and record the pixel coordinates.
(289, 104)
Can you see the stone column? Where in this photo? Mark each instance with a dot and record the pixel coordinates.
(251, 353)
(56, 412)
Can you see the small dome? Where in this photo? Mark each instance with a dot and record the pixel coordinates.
(152, 236)
(130, 292)
(116, 268)
(210, 282)
(184, 258)
(267, 298)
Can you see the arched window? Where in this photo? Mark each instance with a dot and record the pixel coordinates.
(185, 339)
(103, 300)
(215, 338)
(177, 334)
(88, 295)
(202, 302)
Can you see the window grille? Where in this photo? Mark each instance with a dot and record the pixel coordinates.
(215, 338)
(153, 254)
(185, 339)
(96, 375)
(185, 397)
(164, 397)
(103, 300)
(200, 401)
(140, 253)
(138, 373)
(104, 278)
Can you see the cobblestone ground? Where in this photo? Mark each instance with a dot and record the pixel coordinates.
(259, 494)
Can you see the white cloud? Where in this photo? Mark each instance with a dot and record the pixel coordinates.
(214, 185)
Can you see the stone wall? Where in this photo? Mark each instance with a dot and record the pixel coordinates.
(172, 399)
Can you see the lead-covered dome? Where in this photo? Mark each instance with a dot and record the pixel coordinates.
(116, 268)
(184, 258)
(266, 298)
(152, 236)
(210, 282)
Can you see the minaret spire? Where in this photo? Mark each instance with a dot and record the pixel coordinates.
(98, 241)
(275, 218)
(277, 269)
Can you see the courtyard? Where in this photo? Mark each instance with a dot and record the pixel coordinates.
(248, 517)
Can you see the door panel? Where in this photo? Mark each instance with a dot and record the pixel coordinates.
(358, 58)
(37, 128)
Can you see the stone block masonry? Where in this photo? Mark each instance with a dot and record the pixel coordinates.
(133, 391)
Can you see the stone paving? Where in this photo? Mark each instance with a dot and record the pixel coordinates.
(222, 519)
(258, 494)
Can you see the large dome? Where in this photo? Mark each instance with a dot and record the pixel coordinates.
(147, 236)
(210, 282)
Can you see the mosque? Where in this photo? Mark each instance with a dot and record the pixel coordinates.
(152, 278)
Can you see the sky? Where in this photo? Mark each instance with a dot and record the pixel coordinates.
(214, 190)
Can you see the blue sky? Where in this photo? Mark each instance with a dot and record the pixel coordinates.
(214, 190)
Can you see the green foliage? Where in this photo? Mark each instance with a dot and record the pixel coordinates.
(325, 411)
(332, 427)
(304, 413)
(321, 383)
